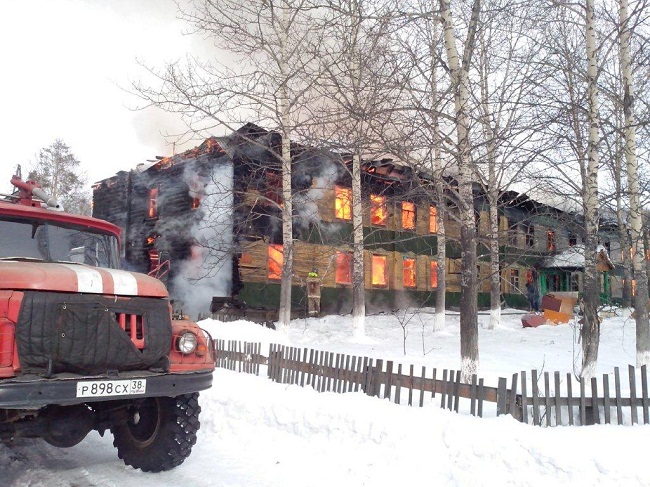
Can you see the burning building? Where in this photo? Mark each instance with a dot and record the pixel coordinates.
(209, 223)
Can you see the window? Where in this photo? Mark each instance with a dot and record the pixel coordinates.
(512, 233)
(343, 268)
(514, 280)
(575, 281)
(245, 259)
(573, 240)
(550, 240)
(342, 203)
(153, 203)
(433, 222)
(275, 261)
(378, 212)
(408, 270)
(408, 215)
(379, 270)
(530, 236)
(434, 274)
(195, 202)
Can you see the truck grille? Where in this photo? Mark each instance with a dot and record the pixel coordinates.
(91, 334)
(133, 326)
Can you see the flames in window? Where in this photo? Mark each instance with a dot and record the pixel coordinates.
(434, 274)
(378, 211)
(433, 222)
(195, 203)
(153, 203)
(343, 268)
(275, 261)
(408, 267)
(342, 203)
(379, 270)
(550, 240)
(408, 215)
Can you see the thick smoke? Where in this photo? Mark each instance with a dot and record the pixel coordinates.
(208, 272)
(317, 175)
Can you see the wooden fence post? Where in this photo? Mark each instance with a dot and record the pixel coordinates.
(631, 372)
(502, 396)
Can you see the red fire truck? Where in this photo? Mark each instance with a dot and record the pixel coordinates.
(86, 346)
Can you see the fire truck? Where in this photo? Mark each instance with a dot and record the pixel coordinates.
(87, 346)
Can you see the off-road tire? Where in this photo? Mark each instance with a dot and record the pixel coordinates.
(159, 435)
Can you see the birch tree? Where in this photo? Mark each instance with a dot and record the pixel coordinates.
(459, 74)
(257, 71)
(354, 89)
(636, 232)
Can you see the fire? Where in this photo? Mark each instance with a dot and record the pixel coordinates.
(433, 222)
(408, 266)
(276, 258)
(434, 274)
(153, 203)
(151, 240)
(378, 211)
(343, 203)
(344, 268)
(408, 215)
(379, 270)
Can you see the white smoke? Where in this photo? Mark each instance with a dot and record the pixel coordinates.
(306, 203)
(208, 272)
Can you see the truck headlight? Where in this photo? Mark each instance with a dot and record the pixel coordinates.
(187, 342)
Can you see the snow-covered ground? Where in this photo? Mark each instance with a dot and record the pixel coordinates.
(258, 433)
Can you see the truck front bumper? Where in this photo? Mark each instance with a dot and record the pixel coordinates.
(33, 392)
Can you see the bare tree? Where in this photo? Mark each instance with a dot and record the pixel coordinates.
(459, 73)
(258, 72)
(354, 88)
(636, 232)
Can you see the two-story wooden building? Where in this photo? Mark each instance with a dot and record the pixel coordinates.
(208, 222)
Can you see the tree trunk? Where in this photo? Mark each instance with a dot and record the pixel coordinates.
(468, 279)
(358, 285)
(495, 277)
(287, 196)
(636, 232)
(590, 332)
(441, 203)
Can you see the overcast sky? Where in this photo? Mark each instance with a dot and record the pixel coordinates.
(64, 63)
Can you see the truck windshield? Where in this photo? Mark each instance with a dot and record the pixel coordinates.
(51, 241)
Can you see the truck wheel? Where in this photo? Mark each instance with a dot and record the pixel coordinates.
(159, 434)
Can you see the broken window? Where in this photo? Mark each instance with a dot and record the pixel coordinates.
(530, 236)
(342, 203)
(512, 233)
(379, 270)
(195, 202)
(153, 203)
(573, 240)
(434, 274)
(275, 261)
(433, 221)
(344, 268)
(514, 280)
(550, 240)
(408, 266)
(408, 215)
(378, 212)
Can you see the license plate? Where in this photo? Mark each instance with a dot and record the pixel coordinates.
(102, 388)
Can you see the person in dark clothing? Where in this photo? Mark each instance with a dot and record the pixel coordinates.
(533, 298)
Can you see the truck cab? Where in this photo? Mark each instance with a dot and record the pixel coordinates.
(86, 345)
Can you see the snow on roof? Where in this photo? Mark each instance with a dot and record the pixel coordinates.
(575, 257)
